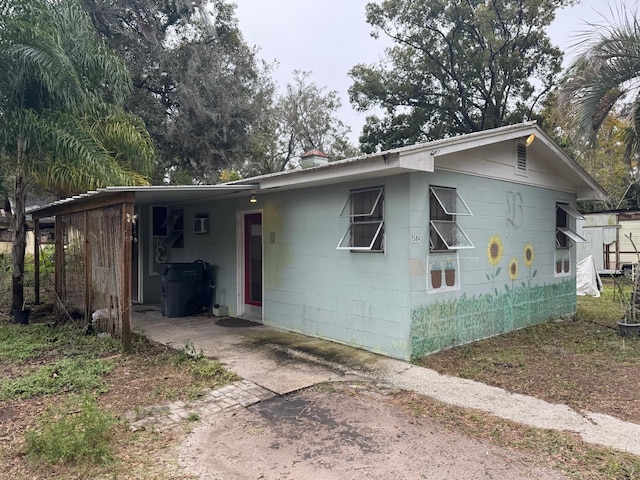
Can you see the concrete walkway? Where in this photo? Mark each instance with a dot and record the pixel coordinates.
(282, 362)
(242, 393)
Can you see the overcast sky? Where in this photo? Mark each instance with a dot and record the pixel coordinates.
(329, 37)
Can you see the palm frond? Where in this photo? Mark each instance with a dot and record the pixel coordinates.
(604, 75)
(75, 159)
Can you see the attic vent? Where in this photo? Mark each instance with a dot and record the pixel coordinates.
(521, 158)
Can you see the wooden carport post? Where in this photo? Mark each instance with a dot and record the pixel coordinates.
(58, 276)
(125, 277)
(36, 260)
(88, 281)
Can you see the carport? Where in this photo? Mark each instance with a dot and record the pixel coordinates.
(96, 259)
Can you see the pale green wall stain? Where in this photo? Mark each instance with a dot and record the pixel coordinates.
(465, 319)
(277, 249)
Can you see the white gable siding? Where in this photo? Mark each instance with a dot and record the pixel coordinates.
(499, 162)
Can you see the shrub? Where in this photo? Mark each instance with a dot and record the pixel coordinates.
(188, 353)
(77, 431)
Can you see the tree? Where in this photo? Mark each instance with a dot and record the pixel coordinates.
(604, 161)
(604, 79)
(603, 158)
(61, 124)
(197, 85)
(302, 119)
(455, 67)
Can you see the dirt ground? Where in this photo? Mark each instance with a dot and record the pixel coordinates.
(343, 432)
(584, 365)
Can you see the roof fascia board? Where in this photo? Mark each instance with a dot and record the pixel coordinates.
(412, 158)
(480, 139)
(418, 160)
(179, 188)
(108, 196)
(594, 191)
(82, 203)
(383, 162)
(590, 194)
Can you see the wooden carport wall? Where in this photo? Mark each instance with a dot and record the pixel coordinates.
(84, 205)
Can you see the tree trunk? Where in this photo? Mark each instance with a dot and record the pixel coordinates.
(19, 237)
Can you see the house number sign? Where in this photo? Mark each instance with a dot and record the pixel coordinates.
(416, 238)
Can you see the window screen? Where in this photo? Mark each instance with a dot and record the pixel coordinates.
(365, 209)
(445, 204)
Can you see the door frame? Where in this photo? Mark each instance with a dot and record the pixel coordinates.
(137, 257)
(252, 312)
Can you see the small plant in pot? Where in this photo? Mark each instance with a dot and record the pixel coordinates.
(450, 272)
(436, 274)
(21, 316)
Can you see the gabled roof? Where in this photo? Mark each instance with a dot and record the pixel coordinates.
(422, 157)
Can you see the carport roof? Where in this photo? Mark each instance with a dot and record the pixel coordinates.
(141, 195)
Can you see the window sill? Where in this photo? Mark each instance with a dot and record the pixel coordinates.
(563, 274)
(362, 251)
(444, 289)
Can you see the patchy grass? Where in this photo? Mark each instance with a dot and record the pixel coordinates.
(64, 375)
(72, 433)
(64, 396)
(583, 363)
(560, 450)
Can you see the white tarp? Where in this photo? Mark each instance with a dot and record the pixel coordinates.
(587, 279)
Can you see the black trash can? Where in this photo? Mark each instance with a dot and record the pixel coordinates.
(184, 289)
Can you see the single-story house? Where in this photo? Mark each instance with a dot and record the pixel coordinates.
(403, 252)
(612, 237)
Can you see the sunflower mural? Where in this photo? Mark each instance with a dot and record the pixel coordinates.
(494, 255)
(529, 256)
(494, 250)
(513, 269)
(513, 273)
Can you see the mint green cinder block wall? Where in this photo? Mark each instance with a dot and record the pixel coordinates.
(384, 302)
(360, 299)
(217, 247)
(495, 294)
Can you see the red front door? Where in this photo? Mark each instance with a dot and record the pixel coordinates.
(253, 259)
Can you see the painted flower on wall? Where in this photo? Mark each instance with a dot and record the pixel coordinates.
(494, 254)
(513, 268)
(494, 250)
(528, 255)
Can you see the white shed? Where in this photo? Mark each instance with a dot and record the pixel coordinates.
(610, 239)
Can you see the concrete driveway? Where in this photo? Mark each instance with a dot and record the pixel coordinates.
(284, 362)
(279, 361)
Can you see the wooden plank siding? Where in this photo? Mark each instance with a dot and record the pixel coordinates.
(83, 206)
